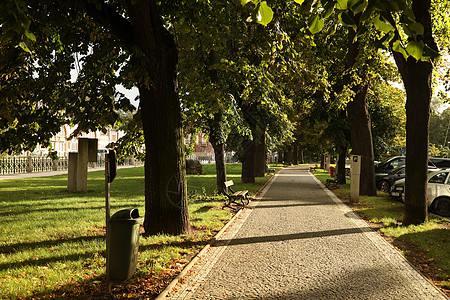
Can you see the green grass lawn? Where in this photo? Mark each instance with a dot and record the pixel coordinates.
(426, 245)
(52, 241)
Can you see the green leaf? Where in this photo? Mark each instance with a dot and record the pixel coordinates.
(346, 20)
(415, 49)
(317, 24)
(427, 51)
(342, 4)
(299, 1)
(382, 25)
(24, 47)
(244, 2)
(360, 7)
(409, 14)
(398, 47)
(416, 28)
(29, 35)
(265, 14)
(329, 9)
(351, 3)
(367, 13)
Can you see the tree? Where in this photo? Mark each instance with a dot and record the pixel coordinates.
(130, 38)
(406, 29)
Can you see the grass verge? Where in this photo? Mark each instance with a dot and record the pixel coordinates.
(52, 242)
(426, 246)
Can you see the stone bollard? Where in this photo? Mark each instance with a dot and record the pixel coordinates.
(29, 164)
(72, 172)
(55, 165)
(82, 165)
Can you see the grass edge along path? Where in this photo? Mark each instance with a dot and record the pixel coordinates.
(425, 246)
(52, 241)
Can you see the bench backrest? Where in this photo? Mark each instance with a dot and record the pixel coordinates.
(229, 183)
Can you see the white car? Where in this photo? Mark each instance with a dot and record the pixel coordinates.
(438, 191)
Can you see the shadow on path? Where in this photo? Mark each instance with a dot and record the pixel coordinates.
(285, 237)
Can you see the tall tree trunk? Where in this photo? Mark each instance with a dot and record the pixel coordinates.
(248, 161)
(417, 77)
(217, 141)
(359, 121)
(260, 157)
(166, 209)
(418, 91)
(295, 155)
(341, 165)
(361, 137)
(221, 171)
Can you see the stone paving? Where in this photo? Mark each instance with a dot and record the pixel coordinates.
(298, 241)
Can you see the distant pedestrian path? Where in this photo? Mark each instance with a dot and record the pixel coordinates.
(300, 242)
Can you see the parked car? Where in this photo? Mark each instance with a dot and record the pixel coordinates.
(438, 191)
(390, 164)
(394, 162)
(384, 181)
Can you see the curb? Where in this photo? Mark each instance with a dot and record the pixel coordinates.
(259, 194)
(395, 257)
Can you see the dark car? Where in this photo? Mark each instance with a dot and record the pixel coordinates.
(390, 164)
(384, 181)
(397, 161)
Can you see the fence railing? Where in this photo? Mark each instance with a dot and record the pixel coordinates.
(28, 164)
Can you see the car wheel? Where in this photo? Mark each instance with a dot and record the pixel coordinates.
(442, 207)
(385, 186)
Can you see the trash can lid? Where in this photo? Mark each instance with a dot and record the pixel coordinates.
(126, 214)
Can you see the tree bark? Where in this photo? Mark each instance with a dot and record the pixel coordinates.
(154, 51)
(221, 171)
(361, 137)
(417, 77)
(340, 175)
(166, 209)
(295, 155)
(248, 161)
(359, 121)
(260, 157)
(216, 140)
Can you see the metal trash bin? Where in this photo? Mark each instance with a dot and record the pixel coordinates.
(123, 231)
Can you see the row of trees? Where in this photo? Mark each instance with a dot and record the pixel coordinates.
(251, 76)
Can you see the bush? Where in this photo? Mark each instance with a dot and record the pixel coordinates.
(194, 167)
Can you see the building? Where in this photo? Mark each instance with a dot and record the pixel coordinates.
(63, 144)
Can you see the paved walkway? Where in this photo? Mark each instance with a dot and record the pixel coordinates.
(300, 242)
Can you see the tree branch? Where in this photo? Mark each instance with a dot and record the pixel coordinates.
(111, 20)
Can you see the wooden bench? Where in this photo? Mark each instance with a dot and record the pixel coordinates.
(313, 169)
(332, 183)
(269, 170)
(235, 196)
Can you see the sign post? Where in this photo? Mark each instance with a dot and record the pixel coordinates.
(110, 174)
(355, 174)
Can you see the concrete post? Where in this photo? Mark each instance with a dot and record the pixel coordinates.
(55, 165)
(355, 174)
(72, 172)
(82, 166)
(327, 163)
(29, 164)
